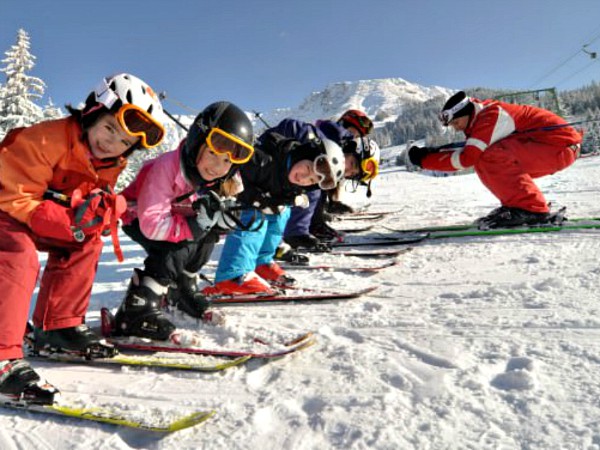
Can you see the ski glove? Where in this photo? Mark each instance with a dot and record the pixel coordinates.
(302, 201)
(85, 218)
(416, 154)
(212, 211)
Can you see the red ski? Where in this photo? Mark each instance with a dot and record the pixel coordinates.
(147, 345)
(290, 296)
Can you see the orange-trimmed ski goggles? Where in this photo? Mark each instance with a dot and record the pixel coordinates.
(370, 169)
(222, 143)
(138, 123)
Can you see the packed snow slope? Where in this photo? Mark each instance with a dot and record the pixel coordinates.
(468, 343)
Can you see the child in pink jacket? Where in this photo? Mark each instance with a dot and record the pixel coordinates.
(177, 237)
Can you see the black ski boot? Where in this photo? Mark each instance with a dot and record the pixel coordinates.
(506, 217)
(302, 241)
(20, 383)
(186, 296)
(140, 313)
(335, 207)
(79, 340)
(286, 253)
(324, 232)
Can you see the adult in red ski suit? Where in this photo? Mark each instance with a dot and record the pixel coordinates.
(508, 146)
(56, 196)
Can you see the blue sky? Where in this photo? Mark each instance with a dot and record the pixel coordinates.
(265, 54)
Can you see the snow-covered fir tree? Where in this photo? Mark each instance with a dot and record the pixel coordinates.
(51, 111)
(19, 92)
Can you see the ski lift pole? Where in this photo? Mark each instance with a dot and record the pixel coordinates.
(162, 96)
(258, 115)
(454, 145)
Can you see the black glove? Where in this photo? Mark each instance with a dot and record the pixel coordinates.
(416, 154)
(212, 211)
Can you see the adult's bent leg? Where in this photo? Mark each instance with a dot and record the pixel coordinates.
(501, 171)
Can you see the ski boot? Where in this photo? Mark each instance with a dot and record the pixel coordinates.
(275, 275)
(335, 207)
(506, 217)
(286, 253)
(21, 384)
(140, 313)
(324, 232)
(307, 241)
(248, 284)
(187, 297)
(80, 340)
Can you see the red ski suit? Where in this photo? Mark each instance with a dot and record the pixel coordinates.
(507, 149)
(50, 155)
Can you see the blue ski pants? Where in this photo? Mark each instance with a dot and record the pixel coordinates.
(243, 251)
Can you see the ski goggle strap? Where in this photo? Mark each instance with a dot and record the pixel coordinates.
(138, 123)
(222, 143)
(325, 173)
(447, 115)
(370, 169)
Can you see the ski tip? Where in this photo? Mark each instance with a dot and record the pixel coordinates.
(191, 420)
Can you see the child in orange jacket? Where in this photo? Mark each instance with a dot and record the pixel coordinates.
(56, 196)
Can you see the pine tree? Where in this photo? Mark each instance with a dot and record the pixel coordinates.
(51, 111)
(17, 95)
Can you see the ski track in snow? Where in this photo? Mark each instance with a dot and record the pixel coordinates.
(470, 343)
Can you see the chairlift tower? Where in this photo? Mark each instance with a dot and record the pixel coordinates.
(542, 98)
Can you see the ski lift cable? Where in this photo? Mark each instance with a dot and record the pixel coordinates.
(584, 68)
(581, 50)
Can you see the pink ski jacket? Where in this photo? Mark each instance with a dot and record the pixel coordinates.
(150, 195)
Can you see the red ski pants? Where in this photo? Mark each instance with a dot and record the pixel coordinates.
(508, 167)
(65, 287)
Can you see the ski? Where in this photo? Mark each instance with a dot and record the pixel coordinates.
(291, 295)
(470, 231)
(302, 342)
(403, 239)
(114, 416)
(197, 363)
(333, 267)
(354, 230)
(591, 222)
(381, 253)
(366, 217)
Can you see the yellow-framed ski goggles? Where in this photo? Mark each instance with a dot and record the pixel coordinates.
(139, 124)
(369, 168)
(223, 143)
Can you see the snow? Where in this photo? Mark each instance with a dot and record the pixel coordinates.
(470, 343)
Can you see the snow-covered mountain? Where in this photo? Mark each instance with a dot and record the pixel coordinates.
(382, 99)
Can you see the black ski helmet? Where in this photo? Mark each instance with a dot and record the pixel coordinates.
(458, 105)
(222, 115)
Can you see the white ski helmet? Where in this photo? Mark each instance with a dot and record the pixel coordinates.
(116, 91)
(330, 165)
